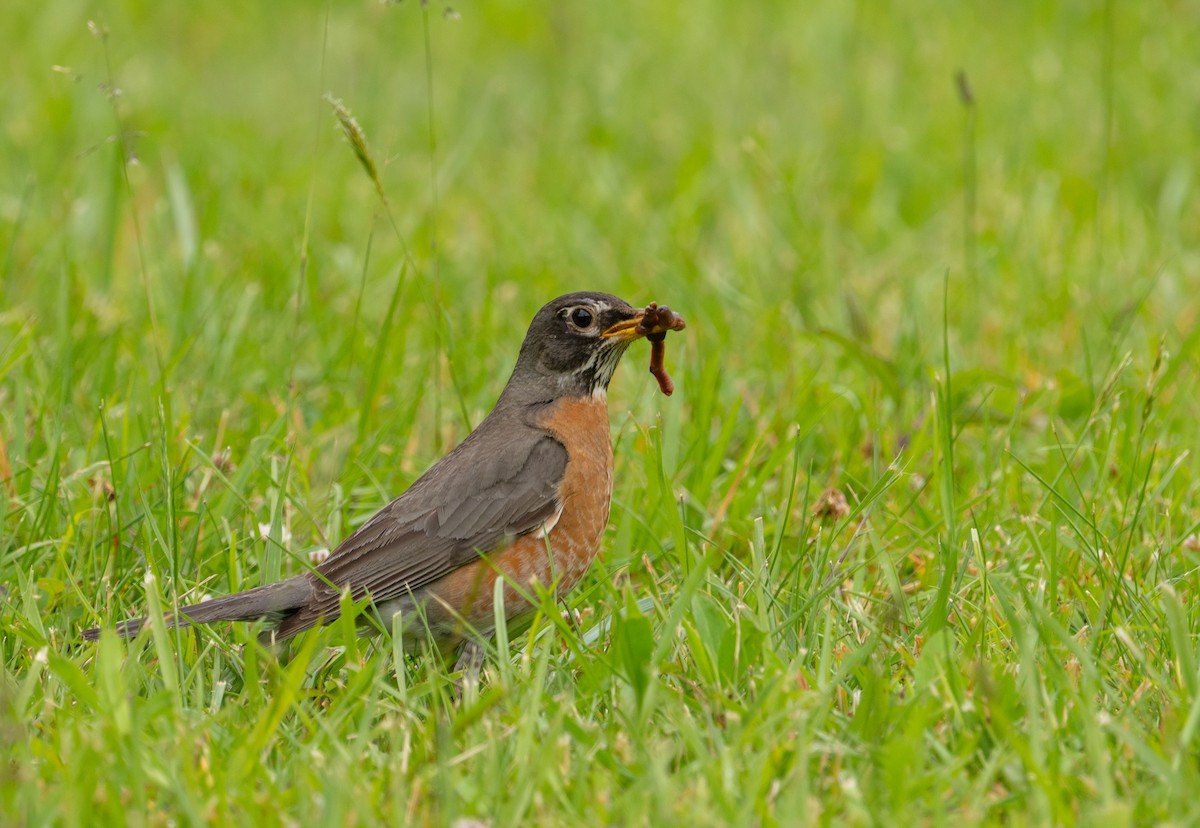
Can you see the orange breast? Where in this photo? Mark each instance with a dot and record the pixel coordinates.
(561, 557)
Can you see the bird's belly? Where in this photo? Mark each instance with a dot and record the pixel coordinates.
(463, 600)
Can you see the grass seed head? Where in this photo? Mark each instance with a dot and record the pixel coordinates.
(358, 140)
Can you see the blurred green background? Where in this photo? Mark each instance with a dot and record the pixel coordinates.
(806, 160)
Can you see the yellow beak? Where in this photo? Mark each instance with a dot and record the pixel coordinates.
(627, 330)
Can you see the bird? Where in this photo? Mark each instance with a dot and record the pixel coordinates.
(524, 497)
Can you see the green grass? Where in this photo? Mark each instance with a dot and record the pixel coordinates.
(978, 324)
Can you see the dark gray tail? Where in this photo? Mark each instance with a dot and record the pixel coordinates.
(272, 601)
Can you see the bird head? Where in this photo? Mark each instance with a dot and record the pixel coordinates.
(575, 342)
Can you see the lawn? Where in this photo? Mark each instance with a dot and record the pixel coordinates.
(939, 260)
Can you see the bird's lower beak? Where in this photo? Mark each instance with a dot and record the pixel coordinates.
(652, 320)
(627, 330)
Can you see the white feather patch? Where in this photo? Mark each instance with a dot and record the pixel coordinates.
(549, 524)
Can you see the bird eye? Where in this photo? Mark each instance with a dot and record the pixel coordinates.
(581, 318)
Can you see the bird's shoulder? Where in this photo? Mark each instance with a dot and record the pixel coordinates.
(508, 459)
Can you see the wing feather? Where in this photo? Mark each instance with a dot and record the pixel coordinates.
(467, 504)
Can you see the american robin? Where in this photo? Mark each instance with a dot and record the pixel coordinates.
(524, 497)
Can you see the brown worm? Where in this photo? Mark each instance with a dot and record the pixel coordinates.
(656, 321)
(658, 349)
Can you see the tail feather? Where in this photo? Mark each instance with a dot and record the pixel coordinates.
(272, 601)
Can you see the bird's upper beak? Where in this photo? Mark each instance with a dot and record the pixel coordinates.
(653, 319)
